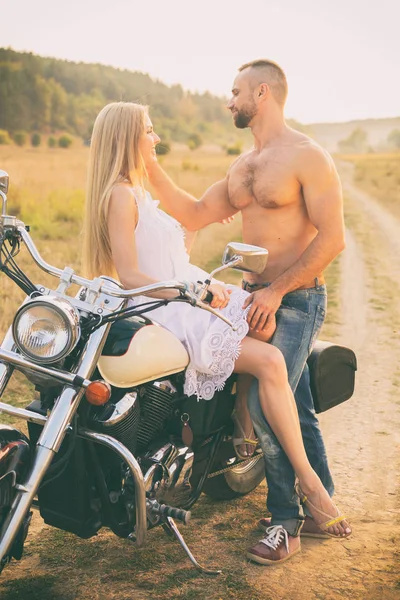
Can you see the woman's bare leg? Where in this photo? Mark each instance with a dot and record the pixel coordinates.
(243, 423)
(243, 386)
(277, 402)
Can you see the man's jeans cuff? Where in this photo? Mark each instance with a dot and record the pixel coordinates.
(292, 526)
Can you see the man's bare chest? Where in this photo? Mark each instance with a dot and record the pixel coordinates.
(270, 182)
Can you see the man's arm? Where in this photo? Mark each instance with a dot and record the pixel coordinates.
(194, 214)
(323, 199)
(322, 194)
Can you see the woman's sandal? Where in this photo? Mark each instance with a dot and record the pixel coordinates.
(244, 440)
(332, 520)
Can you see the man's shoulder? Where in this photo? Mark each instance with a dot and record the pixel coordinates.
(308, 153)
(304, 144)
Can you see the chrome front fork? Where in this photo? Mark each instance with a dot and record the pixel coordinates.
(53, 433)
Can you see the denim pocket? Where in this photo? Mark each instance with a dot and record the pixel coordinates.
(298, 300)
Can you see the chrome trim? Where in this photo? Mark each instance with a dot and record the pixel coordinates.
(19, 361)
(6, 370)
(110, 291)
(253, 258)
(70, 316)
(23, 499)
(4, 180)
(165, 386)
(67, 403)
(3, 197)
(50, 440)
(140, 493)
(22, 413)
(229, 265)
(122, 407)
(100, 438)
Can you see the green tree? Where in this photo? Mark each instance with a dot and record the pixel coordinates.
(36, 139)
(235, 149)
(194, 141)
(20, 138)
(64, 141)
(357, 141)
(4, 138)
(163, 148)
(52, 142)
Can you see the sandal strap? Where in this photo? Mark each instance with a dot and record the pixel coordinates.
(332, 522)
(240, 441)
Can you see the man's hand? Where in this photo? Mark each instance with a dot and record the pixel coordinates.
(264, 304)
(150, 162)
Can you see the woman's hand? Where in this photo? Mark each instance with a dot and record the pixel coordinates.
(221, 295)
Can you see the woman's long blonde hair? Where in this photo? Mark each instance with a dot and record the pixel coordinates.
(114, 157)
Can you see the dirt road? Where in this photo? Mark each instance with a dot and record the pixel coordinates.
(362, 435)
(363, 442)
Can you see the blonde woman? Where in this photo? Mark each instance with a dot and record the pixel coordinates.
(128, 236)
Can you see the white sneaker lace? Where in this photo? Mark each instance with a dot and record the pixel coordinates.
(275, 534)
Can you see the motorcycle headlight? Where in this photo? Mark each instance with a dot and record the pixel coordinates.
(46, 330)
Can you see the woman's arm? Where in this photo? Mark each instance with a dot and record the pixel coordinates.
(122, 220)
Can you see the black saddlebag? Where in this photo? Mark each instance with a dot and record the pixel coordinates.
(332, 374)
(66, 498)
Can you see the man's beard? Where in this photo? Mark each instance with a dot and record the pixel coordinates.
(244, 115)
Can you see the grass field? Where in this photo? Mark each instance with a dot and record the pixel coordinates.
(379, 175)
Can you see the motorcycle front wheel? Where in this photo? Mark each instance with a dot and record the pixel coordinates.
(231, 477)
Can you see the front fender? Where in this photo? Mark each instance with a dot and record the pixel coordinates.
(15, 452)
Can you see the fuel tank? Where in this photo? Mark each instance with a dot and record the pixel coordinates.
(138, 350)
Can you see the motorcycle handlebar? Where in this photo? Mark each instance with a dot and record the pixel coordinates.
(189, 294)
(82, 281)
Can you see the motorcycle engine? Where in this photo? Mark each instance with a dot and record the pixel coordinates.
(119, 419)
(138, 417)
(156, 406)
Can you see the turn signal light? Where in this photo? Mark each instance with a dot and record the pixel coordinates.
(98, 393)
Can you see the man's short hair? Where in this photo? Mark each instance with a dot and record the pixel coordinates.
(268, 71)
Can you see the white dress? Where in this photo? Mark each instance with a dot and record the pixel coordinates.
(212, 345)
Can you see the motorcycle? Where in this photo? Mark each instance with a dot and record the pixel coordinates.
(112, 439)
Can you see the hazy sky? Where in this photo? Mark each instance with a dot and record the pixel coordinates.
(341, 57)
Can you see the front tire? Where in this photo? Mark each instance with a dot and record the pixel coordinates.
(239, 477)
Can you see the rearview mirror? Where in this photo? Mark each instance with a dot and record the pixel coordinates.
(4, 182)
(253, 258)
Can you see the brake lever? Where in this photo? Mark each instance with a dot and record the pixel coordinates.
(205, 306)
(193, 293)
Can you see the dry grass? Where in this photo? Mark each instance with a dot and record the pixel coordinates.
(59, 565)
(379, 175)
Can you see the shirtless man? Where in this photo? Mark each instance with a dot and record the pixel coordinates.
(289, 193)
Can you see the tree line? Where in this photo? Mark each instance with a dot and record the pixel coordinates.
(48, 95)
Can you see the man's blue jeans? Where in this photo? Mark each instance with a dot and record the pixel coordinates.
(299, 320)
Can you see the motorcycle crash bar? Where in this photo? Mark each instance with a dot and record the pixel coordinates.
(62, 376)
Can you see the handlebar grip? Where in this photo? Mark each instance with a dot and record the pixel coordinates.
(208, 298)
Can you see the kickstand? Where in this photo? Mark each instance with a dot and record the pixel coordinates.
(171, 529)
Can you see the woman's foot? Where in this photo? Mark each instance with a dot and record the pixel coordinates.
(324, 511)
(243, 444)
